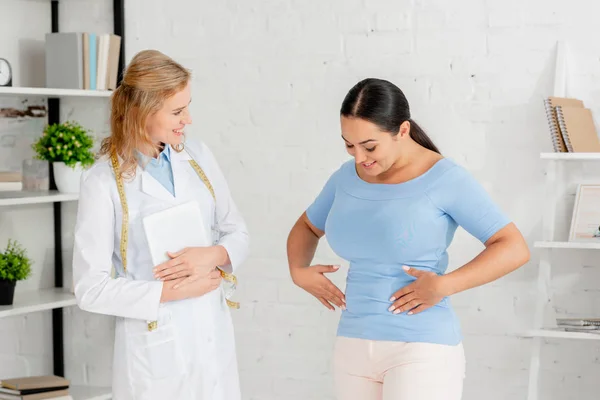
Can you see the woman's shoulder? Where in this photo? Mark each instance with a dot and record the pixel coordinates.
(96, 180)
(451, 176)
(101, 169)
(346, 169)
(341, 173)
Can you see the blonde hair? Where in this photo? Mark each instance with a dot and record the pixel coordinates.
(150, 78)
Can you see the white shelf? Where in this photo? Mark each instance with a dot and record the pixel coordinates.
(567, 245)
(10, 198)
(570, 156)
(561, 334)
(90, 393)
(46, 92)
(38, 300)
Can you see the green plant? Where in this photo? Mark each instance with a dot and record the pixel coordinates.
(67, 142)
(14, 263)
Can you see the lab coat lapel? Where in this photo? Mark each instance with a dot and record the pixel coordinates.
(153, 188)
(181, 175)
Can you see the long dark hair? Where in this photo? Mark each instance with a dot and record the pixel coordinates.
(383, 104)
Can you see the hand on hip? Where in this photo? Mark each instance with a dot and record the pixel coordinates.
(313, 280)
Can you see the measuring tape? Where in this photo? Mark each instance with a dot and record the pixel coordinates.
(230, 278)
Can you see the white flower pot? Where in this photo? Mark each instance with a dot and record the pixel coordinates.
(67, 178)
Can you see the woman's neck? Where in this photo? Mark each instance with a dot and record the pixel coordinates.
(410, 152)
(153, 150)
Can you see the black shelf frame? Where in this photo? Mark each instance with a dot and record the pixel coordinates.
(58, 353)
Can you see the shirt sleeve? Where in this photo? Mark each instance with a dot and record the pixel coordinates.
(318, 211)
(95, 290)
(468, 204)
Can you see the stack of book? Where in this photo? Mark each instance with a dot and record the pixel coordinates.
(10, 180)
(571, 126)
(76, 60)
(591, 325)
(35, 388)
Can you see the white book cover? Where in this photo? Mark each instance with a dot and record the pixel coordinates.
(174, 229)
(102, 61)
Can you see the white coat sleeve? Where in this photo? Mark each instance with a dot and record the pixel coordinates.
(95, 290)
(234, 233)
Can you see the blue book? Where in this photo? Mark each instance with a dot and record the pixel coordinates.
(93, 60)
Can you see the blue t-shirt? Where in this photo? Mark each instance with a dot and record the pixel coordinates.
(379, 228)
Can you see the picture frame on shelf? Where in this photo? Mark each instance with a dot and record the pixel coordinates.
(585, 221)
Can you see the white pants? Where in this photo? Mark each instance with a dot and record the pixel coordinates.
(378, 370)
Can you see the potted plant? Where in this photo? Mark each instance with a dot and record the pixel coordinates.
(14, 266)
(68, 147)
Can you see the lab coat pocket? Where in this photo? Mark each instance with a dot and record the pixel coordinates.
(156, 354)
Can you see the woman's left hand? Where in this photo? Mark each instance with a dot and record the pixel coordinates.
(190, 263)
(425, 292)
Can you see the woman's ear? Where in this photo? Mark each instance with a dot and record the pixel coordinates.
(404, 129)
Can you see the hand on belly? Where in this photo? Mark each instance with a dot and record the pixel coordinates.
(425, 292)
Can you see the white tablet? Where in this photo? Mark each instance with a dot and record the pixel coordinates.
(175, 228)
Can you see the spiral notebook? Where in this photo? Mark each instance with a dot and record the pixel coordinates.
(577, 129)
(578, 322)
(550, 104)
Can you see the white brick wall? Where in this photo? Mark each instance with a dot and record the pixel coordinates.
(269, 80)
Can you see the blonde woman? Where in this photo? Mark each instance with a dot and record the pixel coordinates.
(174, 337)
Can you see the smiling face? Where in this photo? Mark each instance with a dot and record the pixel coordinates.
(167, 124)
(374, 150)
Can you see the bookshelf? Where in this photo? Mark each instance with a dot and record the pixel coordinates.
(548, 246)
(90, 393)
(570, 156)
(566, 245)
(561, 334)
(19, 198)
(38, 300)
(56, 298)
(54, 93)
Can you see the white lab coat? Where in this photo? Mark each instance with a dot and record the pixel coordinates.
(191, 355)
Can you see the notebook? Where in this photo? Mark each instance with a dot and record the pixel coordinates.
(578, 129)
(53, 395)
(550, 105)
(175, 228)
(35, 382)
(592, 322)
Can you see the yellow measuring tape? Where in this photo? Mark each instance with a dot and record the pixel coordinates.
(125, 223)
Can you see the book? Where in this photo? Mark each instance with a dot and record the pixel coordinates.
(102, 61)
(578, 322)
(93, 63)
(64, 60)
(550, 105)
(82, 60)
(85, 44)
(578, 129)
(52, 394)
(35, 382)
(114, 52)
(10, 176)
(581, 329)
(30, 391)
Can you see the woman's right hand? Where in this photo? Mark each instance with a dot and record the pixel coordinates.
(205, 284)
(196, 288)
(313, 280)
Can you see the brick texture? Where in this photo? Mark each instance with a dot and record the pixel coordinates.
(269, 78)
